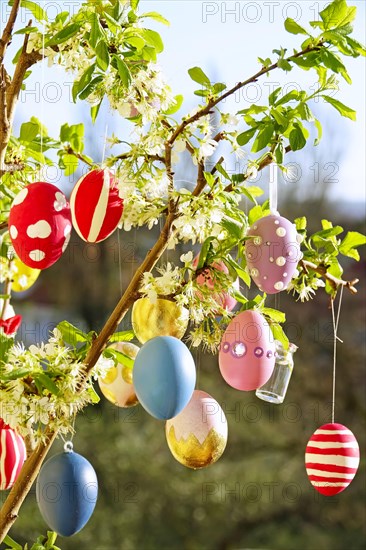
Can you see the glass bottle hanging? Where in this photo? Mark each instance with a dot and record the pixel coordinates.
(274, 390)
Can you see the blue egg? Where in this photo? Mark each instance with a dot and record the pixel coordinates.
(67, 490)
(164, 376)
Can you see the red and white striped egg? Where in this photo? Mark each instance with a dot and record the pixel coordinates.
(272, 253)
(332, 457)
(40, 224)
(96, 207)
(247, 351)
(12, 455)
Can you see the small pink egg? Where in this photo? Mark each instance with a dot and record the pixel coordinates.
(207, 278)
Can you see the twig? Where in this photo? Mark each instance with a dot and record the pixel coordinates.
(8, 30)
(334, 281)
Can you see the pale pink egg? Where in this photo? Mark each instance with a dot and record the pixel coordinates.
(207, 278)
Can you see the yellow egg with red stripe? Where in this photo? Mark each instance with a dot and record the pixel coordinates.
(160, 318)
(117, 385)
(23, 276)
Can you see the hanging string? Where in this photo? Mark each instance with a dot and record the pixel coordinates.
(273, 172)
(105, 142)
(335, 320)
(41, 97)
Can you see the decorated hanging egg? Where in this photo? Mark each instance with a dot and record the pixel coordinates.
(67, 490)
(332, 457)
(117, 385)
(247, 351)
(40, 224)
(161, 318)
(12, 455)
(208, 279)
(96, 206)
(23, 277)
(164, 376)
(272, 253)
(197, 436)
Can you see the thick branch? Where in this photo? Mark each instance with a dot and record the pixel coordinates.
(334, 281)
(6, 36)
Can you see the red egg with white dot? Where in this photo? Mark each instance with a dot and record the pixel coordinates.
(208, 279)
(40, 224)
(332, 458)
(247, 351)
(12, 455)
(272, 253)
(96, 206)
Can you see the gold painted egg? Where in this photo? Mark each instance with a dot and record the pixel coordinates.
(24, 277)
(162, 318)
(197, 436)
(117, 385)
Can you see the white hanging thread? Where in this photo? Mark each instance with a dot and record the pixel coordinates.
(41, 98)
(335, 330)
(273, 194)
(105, 142)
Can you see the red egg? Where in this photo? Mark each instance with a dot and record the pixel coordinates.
(273, 253)
(247, 351)
(207, 278)
(40, 224)
(332, 457)
(96, 207)
(12, 456)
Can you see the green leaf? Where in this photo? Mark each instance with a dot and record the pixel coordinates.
(28, 131)
(103, 58)
(284, 65)
(352, 240)
(255, 213)
(156, 16)
(93, 395)
(297, 138)
(293, 27)
(96, 32)
(205, 250)
(153, 38)
(274, 95)
(71, 163)
(254, 109)
(246, 136)
(175, 106)
(63, 35)
(80, 85)
(123, 336)
(333, 62)
(263, 138)
(318, 126)
(123, 71)
(197, 74)
(5, 345)
(222, 171)
(119, 357)
(274, 314)
(12, 544)
(134, 4)
(70, 334)
(112, 24)
(337, 13)
(244, 275)
(294, 94)
(94, 110)
(279, 334)
(233, 227)
(254, 190)
(279, 152)
(35, 9)
(301, 223)
(16, 374)
(357, 47)
(341, 108)
(89, 89)
(26, 30)
(47, 383)
(279, 117)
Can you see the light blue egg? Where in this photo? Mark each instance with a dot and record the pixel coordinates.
(67, 490)
(164, 376)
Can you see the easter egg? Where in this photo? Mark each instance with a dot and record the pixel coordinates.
(164, 376)
(96, 206)
(272, 253)
(247, 351)
(23, 276)
(40, 224)
(332, 457)
(12, 455)
(117, 385)
(161, 318)
(197, 436)
(208, 278)
(66, 491)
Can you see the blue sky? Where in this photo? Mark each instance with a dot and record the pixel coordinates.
(225, 38)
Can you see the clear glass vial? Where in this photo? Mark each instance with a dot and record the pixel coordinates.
(274, 390)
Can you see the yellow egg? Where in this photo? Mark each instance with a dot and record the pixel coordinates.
(162, 318)
(117, 386)
(24, 277)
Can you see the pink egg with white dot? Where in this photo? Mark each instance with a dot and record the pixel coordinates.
(40, 224)
(247, 351)
(272, 253)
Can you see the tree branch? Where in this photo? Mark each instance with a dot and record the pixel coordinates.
(334, 281)
(7, 33)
